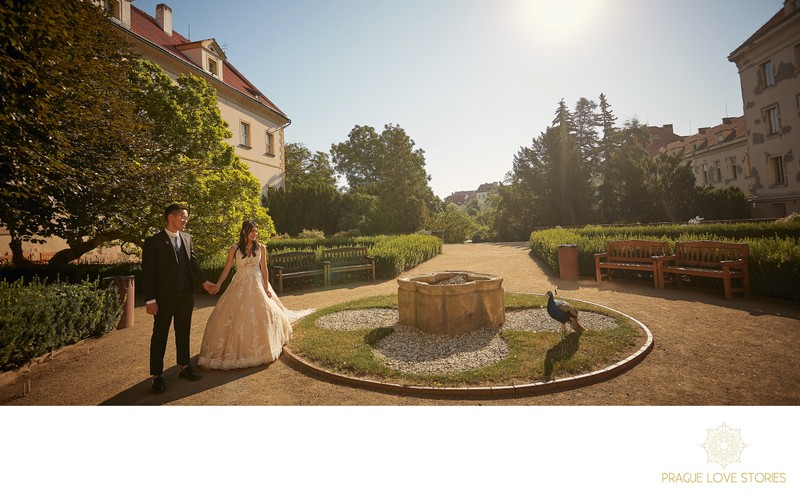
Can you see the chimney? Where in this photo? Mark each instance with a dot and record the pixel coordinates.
(164, 18)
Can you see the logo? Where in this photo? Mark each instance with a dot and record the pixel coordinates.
(724, 445)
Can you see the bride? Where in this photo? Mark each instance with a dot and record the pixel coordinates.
(249, 325)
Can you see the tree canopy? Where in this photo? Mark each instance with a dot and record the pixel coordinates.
(386, 177)
(97, 141)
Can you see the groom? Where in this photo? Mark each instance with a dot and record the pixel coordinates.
(168, 262)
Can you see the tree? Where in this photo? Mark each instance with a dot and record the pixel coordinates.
(457, 225)
(671, 187)
(69, 128)
(97, 142)
(388, 168)
(309, 199)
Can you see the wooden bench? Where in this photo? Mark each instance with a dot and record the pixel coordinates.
(346, 259)
(708, 259)
(295, 265)
(636, 255)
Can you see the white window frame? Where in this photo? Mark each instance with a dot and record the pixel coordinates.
(732, 166)
(778, 170)
(244, 133)
(772, 117)
(213, 66)
(270, 140)
(768, 74)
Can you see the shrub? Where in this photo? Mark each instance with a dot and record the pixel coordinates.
(311, 233)
(774, 247)
(39, 317)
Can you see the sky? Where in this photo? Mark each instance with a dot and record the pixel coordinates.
(472, 82)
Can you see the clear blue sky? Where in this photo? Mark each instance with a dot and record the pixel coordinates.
(472, 81)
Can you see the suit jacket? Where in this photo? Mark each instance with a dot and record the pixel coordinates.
(160, 265)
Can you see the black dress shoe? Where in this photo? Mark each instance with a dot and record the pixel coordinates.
(159, 385)
(189, 373)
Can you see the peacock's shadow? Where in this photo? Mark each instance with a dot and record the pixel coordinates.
(562, 350)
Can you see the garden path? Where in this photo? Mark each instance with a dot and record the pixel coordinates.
(708, 351)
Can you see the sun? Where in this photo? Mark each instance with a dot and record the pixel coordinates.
(559, 18)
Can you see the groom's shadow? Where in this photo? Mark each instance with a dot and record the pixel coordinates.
(177, 388)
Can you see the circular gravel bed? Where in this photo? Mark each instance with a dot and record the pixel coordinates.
(407, 349)
(537, 319)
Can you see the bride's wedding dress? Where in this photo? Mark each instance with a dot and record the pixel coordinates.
(246, 328)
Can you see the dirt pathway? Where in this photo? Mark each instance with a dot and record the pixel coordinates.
(708, 351)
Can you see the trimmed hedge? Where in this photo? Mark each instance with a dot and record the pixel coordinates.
(774, 248)
(38, 317)
(393, 254)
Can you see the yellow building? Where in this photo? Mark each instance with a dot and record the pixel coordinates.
(256, 122)
(769, 71)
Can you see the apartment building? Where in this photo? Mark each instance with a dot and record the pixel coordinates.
(718, 155)
(769, 71)
(256, 122)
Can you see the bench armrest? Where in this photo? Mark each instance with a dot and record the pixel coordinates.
(660, 259)
(733, 264)
(600, 255)
(276, 267)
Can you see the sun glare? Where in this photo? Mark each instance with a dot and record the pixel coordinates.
(559, 19)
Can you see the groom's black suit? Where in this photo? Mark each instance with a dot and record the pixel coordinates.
(167, 278)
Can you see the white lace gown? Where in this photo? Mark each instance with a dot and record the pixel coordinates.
(246, 328)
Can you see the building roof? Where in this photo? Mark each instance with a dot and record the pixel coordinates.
(774, 21)
(485, 188)
(460, 197)
(145, 26)
(732, 128)
(660, 137)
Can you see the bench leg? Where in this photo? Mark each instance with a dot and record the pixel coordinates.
(726, 283)
(280, 283)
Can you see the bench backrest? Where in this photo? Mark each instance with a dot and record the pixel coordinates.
(345, 255)
(636, 250)
(707, 253)
(294, 261)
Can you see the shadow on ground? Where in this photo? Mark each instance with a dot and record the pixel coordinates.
(178, 388)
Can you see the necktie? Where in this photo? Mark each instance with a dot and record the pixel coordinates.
(178, 242)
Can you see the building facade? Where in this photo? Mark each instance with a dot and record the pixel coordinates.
(718, 155)
(256, 122)
(769, 70)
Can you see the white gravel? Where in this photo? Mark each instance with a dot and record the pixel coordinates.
(410, 350)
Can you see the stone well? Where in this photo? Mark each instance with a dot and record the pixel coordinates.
(451, 302)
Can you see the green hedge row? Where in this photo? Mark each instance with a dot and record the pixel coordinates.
(38, 316)
(774, 248)
(393, 254)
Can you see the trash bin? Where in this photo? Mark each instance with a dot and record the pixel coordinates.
(568, 262)
(125, 288)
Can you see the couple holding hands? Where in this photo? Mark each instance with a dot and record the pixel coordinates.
(248, 326)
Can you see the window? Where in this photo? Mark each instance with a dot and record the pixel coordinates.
(778, 170)
(747, 165)
(705, 174)
(212, 66)
(773, 120)
(767, 76)
(732, 167)
(717, 172)
(244, 134)
(270, 143)
(779, 210)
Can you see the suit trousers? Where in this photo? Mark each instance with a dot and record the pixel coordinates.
(179, 309)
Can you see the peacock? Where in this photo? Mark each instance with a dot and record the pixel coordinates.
(563, 312)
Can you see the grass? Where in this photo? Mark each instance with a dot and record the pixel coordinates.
(533, 356)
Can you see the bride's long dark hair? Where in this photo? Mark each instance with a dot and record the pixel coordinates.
(247, 228)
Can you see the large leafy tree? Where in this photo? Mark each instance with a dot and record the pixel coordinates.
(70, 132)
(310, 198)
(388, 170)
(96, 142)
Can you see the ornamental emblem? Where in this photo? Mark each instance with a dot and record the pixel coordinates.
(724, 445)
